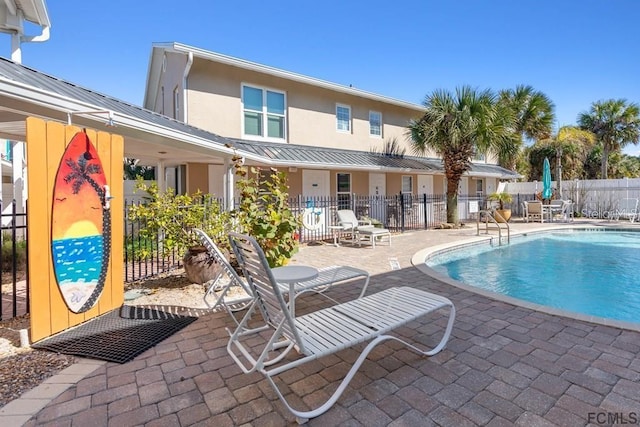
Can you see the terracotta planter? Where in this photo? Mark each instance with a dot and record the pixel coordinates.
(504, 213)
(199, 267)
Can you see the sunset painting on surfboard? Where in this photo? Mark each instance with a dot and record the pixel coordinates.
(81, 225)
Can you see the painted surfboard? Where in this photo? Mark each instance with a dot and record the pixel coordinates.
(80, 225)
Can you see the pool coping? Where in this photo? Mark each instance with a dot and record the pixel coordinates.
(418, 260)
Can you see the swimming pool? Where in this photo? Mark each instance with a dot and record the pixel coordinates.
(591, 272)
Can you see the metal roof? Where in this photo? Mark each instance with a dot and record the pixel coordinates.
(19, 73)
(277, 154)
(299, 155)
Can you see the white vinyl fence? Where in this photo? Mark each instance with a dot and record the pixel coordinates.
(596, 198)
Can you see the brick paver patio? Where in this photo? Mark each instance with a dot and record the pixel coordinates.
(504, 365)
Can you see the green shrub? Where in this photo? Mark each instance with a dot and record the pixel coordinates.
(139, 248)
(8, 254)
(264, 213)
(170, 218)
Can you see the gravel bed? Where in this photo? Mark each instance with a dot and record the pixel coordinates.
(22, 369)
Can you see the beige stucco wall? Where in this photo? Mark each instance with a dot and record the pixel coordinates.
(214, 104)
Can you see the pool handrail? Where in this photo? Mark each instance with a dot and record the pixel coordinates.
(490, 214)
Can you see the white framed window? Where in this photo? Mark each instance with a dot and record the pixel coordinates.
(162, 98)
(375, 123)
(343, 190)
(407, 184)
(343, 118)
(479, 186)
(176, 103)
(263, 113)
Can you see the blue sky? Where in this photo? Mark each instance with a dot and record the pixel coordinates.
(575, 51)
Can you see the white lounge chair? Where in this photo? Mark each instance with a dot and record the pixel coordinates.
(321, 332)
(361, 230)
(218, 292)
(217, 295)
(350, 223)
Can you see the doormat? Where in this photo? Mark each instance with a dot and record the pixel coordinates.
(116, 338)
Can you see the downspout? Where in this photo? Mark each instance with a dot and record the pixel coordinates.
(42, 37)
(187, 69)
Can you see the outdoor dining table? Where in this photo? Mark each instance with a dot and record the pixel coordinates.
(292, 275)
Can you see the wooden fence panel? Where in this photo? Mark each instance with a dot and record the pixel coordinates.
(46, 144)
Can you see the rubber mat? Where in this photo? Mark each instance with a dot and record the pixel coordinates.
(116, 338)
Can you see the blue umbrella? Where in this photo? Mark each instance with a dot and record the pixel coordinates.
(546, 180)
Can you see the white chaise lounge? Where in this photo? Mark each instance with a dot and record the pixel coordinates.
(322, 332)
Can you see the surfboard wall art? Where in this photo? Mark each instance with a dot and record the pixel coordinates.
(81, 225)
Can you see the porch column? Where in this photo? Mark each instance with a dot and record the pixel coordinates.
(160, 178)
(19, 185)
(229, 184)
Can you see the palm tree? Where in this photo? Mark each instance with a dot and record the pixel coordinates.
(80, 174)
(533, 116)
(571, 144)
(456, 126)
(615, 124)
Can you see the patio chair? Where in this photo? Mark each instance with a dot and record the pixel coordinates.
(327, 277)
(533, 211)
(322, 332)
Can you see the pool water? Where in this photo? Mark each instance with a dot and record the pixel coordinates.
(590, 272)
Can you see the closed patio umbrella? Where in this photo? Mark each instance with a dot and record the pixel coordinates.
(546, 180)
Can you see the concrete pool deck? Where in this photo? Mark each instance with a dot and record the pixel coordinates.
(504, 365)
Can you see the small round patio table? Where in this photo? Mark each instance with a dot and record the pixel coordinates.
(291, 275)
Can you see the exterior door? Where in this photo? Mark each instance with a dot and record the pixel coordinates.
(315, 183)
(425, 184)
(377, 184)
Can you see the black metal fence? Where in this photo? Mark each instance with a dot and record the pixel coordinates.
(397, 213)
(14, 263)
(143, 257)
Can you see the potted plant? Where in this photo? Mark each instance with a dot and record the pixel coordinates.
(504, 215)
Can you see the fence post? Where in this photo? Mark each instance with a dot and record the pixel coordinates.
(424, 210)
(401, 213)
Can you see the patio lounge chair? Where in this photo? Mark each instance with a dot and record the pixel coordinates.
(215, 288)
(533, 211)
(361, 230)
(327, 277)
(322, 332)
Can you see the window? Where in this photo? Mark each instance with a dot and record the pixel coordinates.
(479, 191)
(343, 181)
(162, 98)
(176, 103)
(263, 113)
(407, 184)
(375, 123)
(343, 118)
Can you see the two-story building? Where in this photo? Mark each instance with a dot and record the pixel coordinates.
(329, 137)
